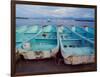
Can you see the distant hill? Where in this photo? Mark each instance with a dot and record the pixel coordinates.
(68, 18)
(22, 18)
(85, 19)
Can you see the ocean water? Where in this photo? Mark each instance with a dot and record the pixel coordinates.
(41, 22)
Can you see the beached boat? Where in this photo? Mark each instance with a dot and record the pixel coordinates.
(43, 45)
(75, 48)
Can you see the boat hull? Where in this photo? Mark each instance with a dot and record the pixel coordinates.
(74, 60)
(76, 53)
(38, 54)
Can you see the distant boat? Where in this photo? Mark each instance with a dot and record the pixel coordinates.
(43, 45)
(49, 20)
(74, 48)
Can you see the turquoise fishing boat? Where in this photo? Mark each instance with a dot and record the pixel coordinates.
(75, 48)
(44, 45)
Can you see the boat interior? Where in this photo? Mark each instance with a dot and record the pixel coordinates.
(72, 44)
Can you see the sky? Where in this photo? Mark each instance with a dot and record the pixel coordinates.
(40, 11)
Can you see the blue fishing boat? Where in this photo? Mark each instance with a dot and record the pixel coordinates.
(44, 45)
(75, 48)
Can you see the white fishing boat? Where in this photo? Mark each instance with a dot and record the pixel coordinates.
(75, 48)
